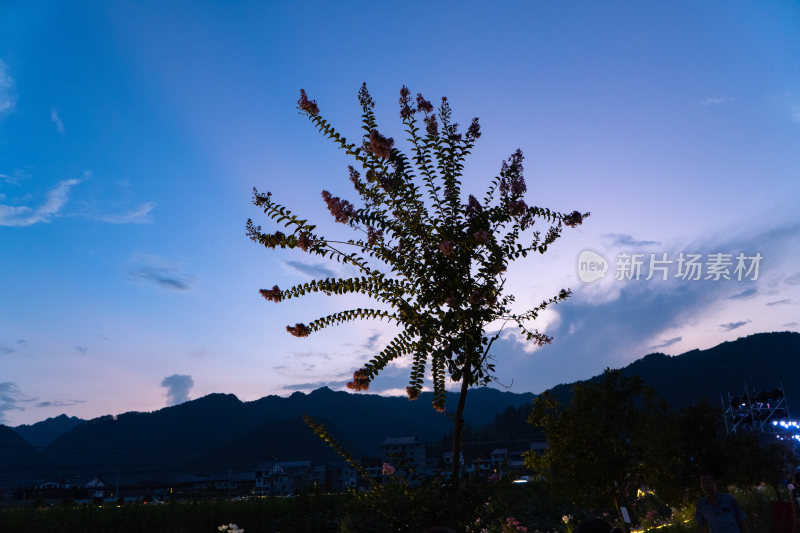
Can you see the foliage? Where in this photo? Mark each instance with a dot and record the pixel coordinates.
(694, 441)
(438, 264)
(598, 444)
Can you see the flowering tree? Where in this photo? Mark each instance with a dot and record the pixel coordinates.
(436, 264)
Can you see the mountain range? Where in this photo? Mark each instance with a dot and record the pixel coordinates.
(219, 431)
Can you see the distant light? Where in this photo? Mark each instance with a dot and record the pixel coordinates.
(520, 481)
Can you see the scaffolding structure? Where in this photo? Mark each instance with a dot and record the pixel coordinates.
(761, 412)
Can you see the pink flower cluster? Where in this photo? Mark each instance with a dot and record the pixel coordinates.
(387, 470)
(512, 524)
(476, 298)
(446, 247)
(273, 294)
(424, 105)
(473, 208)
(373, 235)
(474, 130)
(360, 380)
(413, 393)
(517, 207)
(575, 218)
(304, 242)
(309, 106)
(299, 330)
(341, 210)
(481, 236)
(438, 405)
(518, 185)
(380, 145)
(431, 125)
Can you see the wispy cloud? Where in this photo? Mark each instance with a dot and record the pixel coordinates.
(623, 239)
(730, 326)
(780, 302)
(8, 100)
(55, 119)
(668, 342)
(140, 215)
(314, 385)
(716, 100)
(372, 342)
(160, 272)
(55, 200)
(794, 279)
(178, 387)
(6, 349)
(317, 270)
(11, 399)
(82, 349)
(58, 403)
(747, 293)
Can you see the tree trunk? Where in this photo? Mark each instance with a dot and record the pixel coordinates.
(458, 431)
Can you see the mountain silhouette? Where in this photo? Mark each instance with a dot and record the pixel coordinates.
(219, 431)
(43, 433)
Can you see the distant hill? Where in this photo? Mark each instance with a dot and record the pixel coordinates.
(18, 458)
(43, 433)
(219, 430)
(763, 361)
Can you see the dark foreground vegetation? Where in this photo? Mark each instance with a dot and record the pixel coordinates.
(502, 507)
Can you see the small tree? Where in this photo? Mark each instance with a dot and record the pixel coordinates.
(599, 445)
(435, 262)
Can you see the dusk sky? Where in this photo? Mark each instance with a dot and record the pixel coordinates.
(131, 135)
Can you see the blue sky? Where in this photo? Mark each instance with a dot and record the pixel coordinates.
(131, 135)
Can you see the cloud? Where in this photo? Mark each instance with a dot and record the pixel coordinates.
(10, 399)
(315, 385)
(790, 324)
(668, 342)
(716, 100)
(54, 118)
(612, 323)
(82, 349)
(15, 178)
(155, 270)
(794, 279)
(744, 294)
(8, 100)
(140, 215)
(730, 326)
(19, 343)
(625, 240)
(317, 270)
(779, 302)
(58, 403)
(178, 387)
(55, 200)
(372, 342)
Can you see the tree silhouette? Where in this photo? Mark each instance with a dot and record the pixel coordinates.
(599, 444)
(435, 262)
